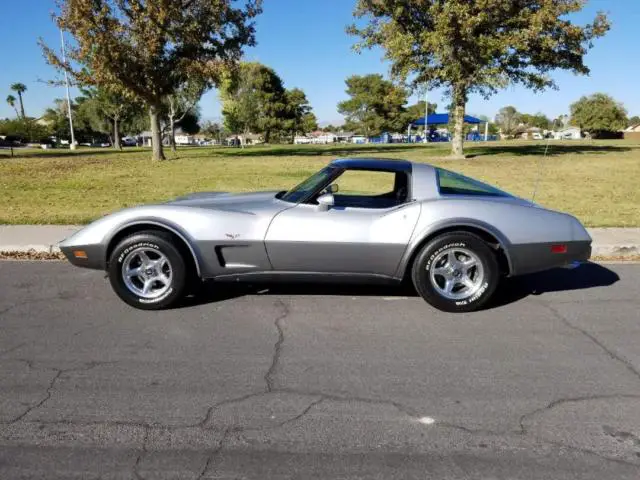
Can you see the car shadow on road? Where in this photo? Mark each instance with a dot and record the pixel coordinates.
(588, 275)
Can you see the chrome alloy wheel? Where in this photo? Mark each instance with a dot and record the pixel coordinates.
(456, 273)
(147, 273)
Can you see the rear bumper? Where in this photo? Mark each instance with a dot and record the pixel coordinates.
(536, 257)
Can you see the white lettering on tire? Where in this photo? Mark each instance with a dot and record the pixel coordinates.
(134, 246)
(437, 252)
(475, 296)
(156, 300)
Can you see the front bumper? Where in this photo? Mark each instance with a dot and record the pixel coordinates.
(94, 255)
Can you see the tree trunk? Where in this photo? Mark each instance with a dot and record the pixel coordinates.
(459, 103)
(156, 134)
(116, 135)
(173, 136)
(21, 104)
(267, 136)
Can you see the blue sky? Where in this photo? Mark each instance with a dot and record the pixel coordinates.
(304, 41)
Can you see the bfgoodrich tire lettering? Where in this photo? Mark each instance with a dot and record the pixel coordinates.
(456, 272)
(161, 284)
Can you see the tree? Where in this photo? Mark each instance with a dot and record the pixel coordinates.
(20, 130)
(180, 105)
(11, 100)
(376, 105)
(633, 121)
(20, 88)
(300, 118)
(106, 112)
(148, 50)
(416, 111)
(214, 129)
(538, 120)
(477, 46)
(560, 122)
(493, 128)
(508, 119)
(598, 114)
(253, 100)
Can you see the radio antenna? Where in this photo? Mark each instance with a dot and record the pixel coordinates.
(535, 187)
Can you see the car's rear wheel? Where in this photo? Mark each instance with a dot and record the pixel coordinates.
(147, 271)
(456, 272)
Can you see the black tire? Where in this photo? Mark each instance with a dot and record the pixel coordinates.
(457, 242)
(156, 243)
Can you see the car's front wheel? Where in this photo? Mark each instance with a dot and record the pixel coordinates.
(456, 272)
(147, 271)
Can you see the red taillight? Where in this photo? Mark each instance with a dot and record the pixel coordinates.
(559, 248)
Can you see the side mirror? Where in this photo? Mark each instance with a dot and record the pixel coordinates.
(333, 188)
(325, 202)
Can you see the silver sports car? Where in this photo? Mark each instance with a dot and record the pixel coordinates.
(361, 220)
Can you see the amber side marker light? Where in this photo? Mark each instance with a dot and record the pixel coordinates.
(80, 254)
(559, 248)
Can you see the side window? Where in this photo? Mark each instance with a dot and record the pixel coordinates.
(370, 189)
(451, 183)
(365, 183)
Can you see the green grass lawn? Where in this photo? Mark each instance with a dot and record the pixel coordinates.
(599, 182)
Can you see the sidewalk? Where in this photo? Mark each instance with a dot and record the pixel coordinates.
(607, 242)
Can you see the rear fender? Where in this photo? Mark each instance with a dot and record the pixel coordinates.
(421, 237)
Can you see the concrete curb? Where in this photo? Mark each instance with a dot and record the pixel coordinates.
(607, 242)
(34, 238)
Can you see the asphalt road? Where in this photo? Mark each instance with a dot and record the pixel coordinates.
(320, 382)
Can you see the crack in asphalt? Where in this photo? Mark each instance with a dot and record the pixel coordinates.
(29, 301)
(141, 454)
(13, 349)
(277, 348)
(319, 397)
(42, 401)
(562, 401)
(49, 390)
(612, 354)
(213, 454)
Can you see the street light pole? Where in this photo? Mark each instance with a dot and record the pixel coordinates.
(72, 145)
(426, 114)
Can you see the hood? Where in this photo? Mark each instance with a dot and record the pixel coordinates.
(246, 202)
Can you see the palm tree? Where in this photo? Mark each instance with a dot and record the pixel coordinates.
(20, 88)
(11, 100)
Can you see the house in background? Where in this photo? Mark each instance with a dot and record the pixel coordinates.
(632, 132)
(183, 138)
(568, 133)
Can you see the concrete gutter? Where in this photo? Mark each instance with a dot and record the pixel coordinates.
(607, 242)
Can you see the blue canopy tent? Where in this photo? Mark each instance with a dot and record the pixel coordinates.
(443, 119)
(440, 119)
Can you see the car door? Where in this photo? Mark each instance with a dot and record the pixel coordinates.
(342, 239)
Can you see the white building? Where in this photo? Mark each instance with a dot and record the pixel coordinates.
(568, 133)
(301, 140)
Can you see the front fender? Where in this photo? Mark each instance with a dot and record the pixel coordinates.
(95, 238)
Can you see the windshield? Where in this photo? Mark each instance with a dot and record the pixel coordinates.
(300, 192)
(451, 183)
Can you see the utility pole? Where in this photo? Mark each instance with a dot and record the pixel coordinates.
(72, 145)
